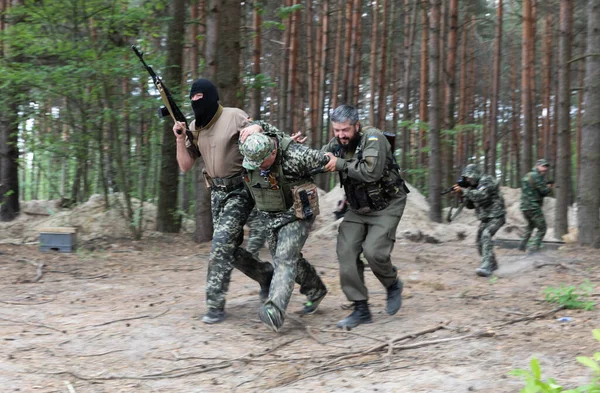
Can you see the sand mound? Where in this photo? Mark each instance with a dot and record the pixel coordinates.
(92, 219)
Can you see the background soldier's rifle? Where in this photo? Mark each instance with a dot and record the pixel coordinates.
(170, 107)
(458, 202)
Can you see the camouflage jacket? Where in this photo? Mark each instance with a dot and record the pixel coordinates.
(486, 197)
(295, 162)
(534, 189)
(369, 162)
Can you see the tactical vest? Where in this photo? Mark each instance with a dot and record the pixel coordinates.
(373, 196)
(273, 193)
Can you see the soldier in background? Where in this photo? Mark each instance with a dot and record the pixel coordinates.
(277, 169)
(485, 197)
(376, 195)
(534, 189)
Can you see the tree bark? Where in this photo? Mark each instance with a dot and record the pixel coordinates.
(547, 85)
(335, 90)
(373, 62)
(410, 21)
(588, 197)
(515, 173)
(381, 112)
(292, 85)
(563, 165)
(435, 162)
(321, 88)
(168, 220)
(357, 52)
(450, 87)
(423, 92)
(526, 89)
(256, 53)
(9, 167)
(495, 90)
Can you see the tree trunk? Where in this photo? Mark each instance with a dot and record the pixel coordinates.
(257, 90)
(347, 47)
(450, 87)
(563, 165)
(321, 88)
(515, 173)
(435, 162)
(228, 53)
(423, 92)
(373, 62)
(335, 90)
(168, 220)
(526, 74)
(9, 162)
(357, 51)
(292, 86)
(204, 226)
(410, 21)
(462, 98)
(495, 91)
(578, 117)
(547, 85)
(588, 195)
(283, 72)
(381, 112)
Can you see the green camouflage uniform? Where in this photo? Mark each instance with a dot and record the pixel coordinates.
(370, 229)
(488, 202)
(230, 210)
(534, 189)
(257, 234)
(286, 234)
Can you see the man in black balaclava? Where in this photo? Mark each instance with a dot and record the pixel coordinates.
(205, 101)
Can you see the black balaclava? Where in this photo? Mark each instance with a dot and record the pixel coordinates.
(206, 107)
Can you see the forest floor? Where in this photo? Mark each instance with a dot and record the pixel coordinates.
(123, 316)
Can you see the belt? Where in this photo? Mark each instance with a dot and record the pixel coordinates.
(227, 183)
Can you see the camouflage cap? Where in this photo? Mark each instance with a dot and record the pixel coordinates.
(472, 171)
(542, 162)
(255, 149)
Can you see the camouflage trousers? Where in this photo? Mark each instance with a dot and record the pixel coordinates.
(258, 233)
(285, 244)
(485, 244)
(230, 211)
(535, 219)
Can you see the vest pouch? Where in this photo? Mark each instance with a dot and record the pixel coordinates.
(377, 200)
(306, 201)
(357, 197)
(269, 200)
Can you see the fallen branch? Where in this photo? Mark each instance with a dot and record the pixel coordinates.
(39, 268)
(70, 387)
(197, 369)
(534, 316)
(34, 324)
(561, 264)
(132, 318)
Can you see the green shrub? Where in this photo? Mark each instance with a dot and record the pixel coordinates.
(535, 384)
(570, 296)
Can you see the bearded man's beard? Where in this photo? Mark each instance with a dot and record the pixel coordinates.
(351, 143)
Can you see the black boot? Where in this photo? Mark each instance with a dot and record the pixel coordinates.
(394, 297)
(361, 314)
(263, 295)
